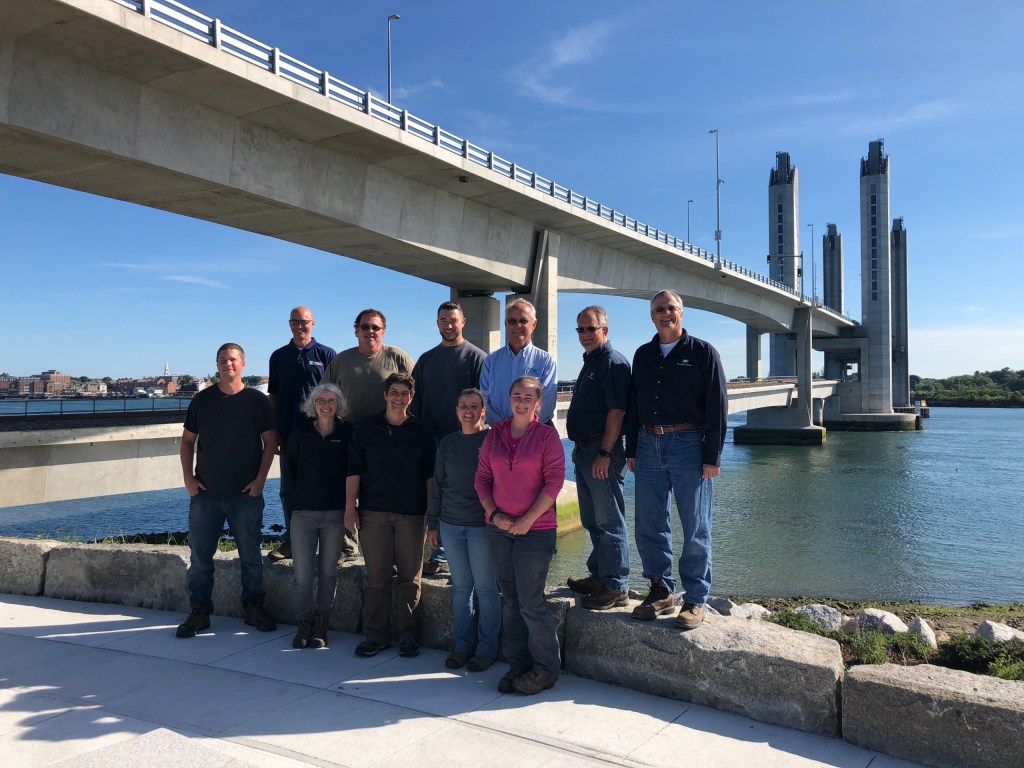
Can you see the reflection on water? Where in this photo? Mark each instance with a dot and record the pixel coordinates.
(936, 516)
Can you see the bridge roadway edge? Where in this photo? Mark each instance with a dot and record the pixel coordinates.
(746, 666)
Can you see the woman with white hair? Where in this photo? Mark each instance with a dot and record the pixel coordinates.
(317, 465)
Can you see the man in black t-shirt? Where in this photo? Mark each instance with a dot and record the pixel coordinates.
(227, 446)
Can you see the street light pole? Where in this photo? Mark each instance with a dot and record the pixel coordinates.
(814, 277)
(392, 17)
(688, 204)
(718, 203)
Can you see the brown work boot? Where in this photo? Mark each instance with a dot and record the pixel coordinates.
(657, 603)
(603, 598)
(585, 586)
(690, 616)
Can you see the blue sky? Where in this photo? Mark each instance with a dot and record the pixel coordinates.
(613, 100)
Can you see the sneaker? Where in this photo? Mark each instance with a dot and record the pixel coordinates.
(604, 598)
(658, 602)
(456, 660)
(584, 586)
(255, 617)
(408, 647)
(319, 636)
(283, 551)
(508, 679)
(303, 635)
(531, 683)
(369, 648)
(479, 663)
(197, 621)
(435, 568)
(690, 616)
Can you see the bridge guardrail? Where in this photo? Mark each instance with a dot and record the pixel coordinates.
(222, 37)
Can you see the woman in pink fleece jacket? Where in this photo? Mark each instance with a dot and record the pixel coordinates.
(521, 471)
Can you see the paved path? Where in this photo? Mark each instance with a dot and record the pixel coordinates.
(91, 685)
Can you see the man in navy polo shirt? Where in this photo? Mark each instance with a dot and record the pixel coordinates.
(295, 369)
(594, 424)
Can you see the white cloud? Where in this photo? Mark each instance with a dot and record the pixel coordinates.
(433, 84)
(798, 100)
(914, 114)
(195, 280)
(544, 77)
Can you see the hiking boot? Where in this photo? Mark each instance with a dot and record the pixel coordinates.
(603, 598)
(408, 647)
(657, 603)
(197, 621)
(283, 551)
(508, 680)
(456, 660)
(435, 568)
(303, 635)
(479, 663)
(255, 617)
(369, 648)
(690, 616)
(319, 637)
(531, 683)
(584, 586)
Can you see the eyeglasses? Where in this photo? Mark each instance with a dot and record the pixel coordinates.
(513, 321)
(293, 321)
(669, 310)
(326, 401)
(368, 327)
(589, 328)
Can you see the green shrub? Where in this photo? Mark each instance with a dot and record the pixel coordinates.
(795, 620)
(983, 657)
(1007, 669)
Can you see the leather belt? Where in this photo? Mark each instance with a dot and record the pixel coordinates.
(589, 440)
(664, 430)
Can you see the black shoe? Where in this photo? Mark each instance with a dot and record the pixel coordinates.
(369, 648)
(507, 680)
(435, 568)
(408, 647)
(197, 621)
(585, 586)
(282, 552)
(255, 617)
(303, 635)
(319, 636)
(456, 660)
(531, 683)
(479, 663)
(602, 599)
(658, 602)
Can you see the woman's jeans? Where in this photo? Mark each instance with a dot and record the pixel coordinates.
(310, 528)
(521, 563)
(472, 569)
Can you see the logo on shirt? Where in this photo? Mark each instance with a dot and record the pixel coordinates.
(685, 362)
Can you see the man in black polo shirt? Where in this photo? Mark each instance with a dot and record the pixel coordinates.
(295, 369)
(594, 424)
(675, 432)
(233, 428)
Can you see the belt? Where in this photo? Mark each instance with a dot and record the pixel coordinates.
(589, 440)
(666, 429)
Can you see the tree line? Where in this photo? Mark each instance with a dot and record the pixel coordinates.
(985, 389)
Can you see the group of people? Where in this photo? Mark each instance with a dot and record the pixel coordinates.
(459, 450)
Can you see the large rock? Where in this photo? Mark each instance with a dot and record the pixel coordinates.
(722, 605)
(124, 574)
(824, 616)
(750, 611)
(937, 716)
(993, 630)
(875, 618)
(753, 668)
(924, 631)
(23, 565)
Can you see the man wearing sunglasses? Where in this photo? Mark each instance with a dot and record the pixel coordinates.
(594, 424)
(360, 372)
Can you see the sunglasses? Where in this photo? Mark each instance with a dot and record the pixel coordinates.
(589, 328)
(368, 327)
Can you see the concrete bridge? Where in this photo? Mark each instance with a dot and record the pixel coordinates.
(44, 465)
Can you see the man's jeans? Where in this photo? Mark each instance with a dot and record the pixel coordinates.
(472, 569)
(673, 463)
(603, 514)
(206, 517)
(309, 528)
(521, 564)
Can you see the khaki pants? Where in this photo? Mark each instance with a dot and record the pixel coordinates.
(389, 541)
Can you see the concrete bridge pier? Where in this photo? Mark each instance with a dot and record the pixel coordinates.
(753, 353)
(483, 318)
(543, 290)
(792, 424)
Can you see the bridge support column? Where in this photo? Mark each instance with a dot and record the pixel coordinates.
(792, 425)
(483, 319)
(544, 291)
(753, 353)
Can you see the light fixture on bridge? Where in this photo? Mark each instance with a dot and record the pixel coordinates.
(392, 17)
(719, 181)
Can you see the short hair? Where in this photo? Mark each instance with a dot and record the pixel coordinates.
(230, 345)
(600, 312)
(309, 404)
(400, 377)
(448, 306)
(667, 292)
(471, 392)
(371, 311)
(520, 300)
(530, 381)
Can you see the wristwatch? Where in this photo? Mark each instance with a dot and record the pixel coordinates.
(603, 453)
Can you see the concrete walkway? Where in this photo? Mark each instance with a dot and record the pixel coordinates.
(89, 684)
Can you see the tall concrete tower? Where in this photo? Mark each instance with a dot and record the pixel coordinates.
(832, 268)
(784, 252)
(900, 319)
(875, 280)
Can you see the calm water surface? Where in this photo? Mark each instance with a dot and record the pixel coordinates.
(936, 516)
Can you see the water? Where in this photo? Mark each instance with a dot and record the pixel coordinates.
(935, 516)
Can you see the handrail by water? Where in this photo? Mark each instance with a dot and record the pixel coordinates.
(19, 408)
(222, 37)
